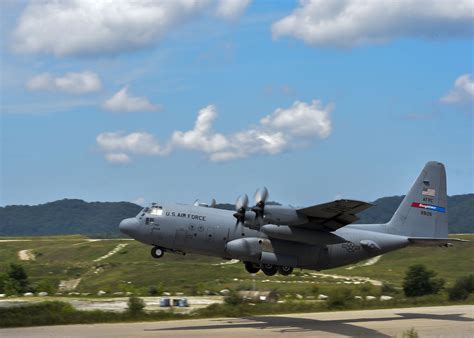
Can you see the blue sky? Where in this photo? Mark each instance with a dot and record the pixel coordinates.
(110, 115)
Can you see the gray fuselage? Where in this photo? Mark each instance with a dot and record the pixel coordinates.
(214, 232)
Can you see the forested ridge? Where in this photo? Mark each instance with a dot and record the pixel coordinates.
(74, 216)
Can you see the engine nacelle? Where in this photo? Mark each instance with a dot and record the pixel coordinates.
(275, 214)
(245, 248)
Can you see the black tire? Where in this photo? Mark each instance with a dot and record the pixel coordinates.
(269, 269)
(157, 252)
(251, 267)
(285, 270)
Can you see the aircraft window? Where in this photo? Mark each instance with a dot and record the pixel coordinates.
(156, 210)
(149, 221)
(143, 211)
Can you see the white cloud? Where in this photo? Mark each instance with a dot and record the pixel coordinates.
(123, 102)
(135, 143)
(139, 201)
(202, 136)
(72, 82)
(117, 158)
(89, 27)
(350, 23)
(302, 119)
(231, 9)
(219, 147)
(462, 92)
(274, 134)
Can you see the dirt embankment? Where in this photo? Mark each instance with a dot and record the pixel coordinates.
(26, 255)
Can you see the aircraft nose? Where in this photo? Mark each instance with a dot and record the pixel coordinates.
(128, 226)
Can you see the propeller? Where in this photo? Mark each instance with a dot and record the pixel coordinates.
(241, 206)
(260, 196)
(213, 203)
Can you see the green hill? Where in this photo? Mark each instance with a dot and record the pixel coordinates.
(460, 208)
(73, 216)
(67, 216)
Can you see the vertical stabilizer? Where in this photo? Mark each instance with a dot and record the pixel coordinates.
(424, 211)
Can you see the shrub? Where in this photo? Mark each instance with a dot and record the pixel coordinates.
(3, 278)
(11, 286)
(15, 281)
(420, 281)
(45, 313)
(153, 291)
(233, 298)
(315, 290)
(340, 299)
(388, 288)
(410, 334)
(457, 292)
(462, 288)
(135, 305)
(45, 286)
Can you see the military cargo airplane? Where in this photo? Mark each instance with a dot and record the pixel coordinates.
(275, 238)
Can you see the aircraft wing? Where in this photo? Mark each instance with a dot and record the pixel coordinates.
(333, 215)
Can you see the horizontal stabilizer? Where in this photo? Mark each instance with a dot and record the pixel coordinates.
(428, 241)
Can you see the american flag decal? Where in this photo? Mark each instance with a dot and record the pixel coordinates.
(428, 192)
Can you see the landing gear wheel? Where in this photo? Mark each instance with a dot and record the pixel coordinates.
(269, 269)
(157, 252)
(285, 270)
(251, 267)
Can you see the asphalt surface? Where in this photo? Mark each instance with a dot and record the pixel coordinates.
(440, 321)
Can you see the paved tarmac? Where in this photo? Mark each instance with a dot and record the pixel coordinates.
(439, 321)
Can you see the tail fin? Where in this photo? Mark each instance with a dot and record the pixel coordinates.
(424, 211)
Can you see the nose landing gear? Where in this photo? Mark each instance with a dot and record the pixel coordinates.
(157, 252)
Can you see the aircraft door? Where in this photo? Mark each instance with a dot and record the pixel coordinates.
(180, 237)
(216, 238)
(161, 235)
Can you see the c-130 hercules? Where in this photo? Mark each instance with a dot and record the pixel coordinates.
(278, 239)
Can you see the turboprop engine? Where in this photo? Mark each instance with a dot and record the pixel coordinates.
(275, 214)
(265, 214)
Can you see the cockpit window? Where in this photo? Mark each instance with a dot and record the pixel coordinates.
(156, 210)
(149, 221)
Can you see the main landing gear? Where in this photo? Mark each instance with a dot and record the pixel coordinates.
(252, 267)
(285, 270)
(157, 252)
(268, 269)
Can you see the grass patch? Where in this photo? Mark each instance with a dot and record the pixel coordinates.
(61, 313)
(132, 268)
(58, 313)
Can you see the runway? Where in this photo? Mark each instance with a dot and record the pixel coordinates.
(439, 321)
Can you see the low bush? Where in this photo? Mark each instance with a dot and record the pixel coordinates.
(419, 281)
(388, 288)
(57, 313)
(340, 299)
(135, 305)
(233, 298)
(463, 287)
(410, 334)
